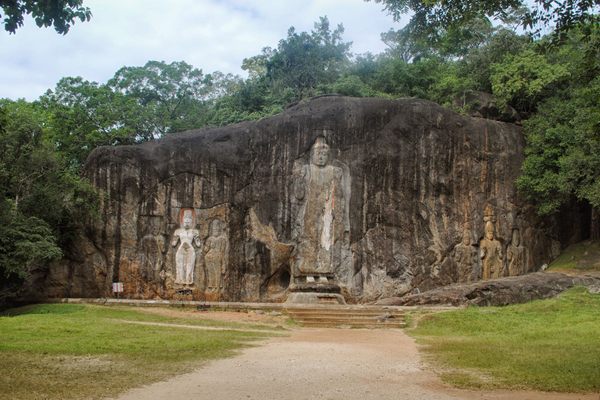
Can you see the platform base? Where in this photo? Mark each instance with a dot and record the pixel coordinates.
(315, 298)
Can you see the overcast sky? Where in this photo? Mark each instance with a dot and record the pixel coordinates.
(209, 34)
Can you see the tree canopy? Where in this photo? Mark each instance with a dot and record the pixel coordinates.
(431, 17)
(60, 14)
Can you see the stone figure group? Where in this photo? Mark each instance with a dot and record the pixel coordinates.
(490, 260)
(320, 199)
(187, 245)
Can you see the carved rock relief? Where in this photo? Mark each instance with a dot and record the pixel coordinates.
(216, 252)
(465, 257)
(186, 238)
(516, 255)
(321, 196)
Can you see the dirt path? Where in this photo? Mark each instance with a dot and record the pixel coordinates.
(348, 364)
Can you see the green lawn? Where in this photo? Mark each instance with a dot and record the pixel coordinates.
(551, 345)
(66, 351)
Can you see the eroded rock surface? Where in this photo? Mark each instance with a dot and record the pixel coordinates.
(384, 212)
(498, 292)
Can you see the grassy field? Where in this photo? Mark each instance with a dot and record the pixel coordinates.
(66, 351)
(551, 345)
(583, 257)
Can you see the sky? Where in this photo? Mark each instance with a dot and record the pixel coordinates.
(208, 34)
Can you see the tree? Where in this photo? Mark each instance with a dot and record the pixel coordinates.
(525, 78)
(83, 115)
(431, 16)
(477, 63)
(563, 139)
(172, 97)
(60, 14)
(304, 60)
(40, 201)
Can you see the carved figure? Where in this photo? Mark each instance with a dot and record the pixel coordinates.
(516, 254)
(185, 257)
(216, 249)
(323, 192)
(465, 256)
(491, 254)
(153, 247)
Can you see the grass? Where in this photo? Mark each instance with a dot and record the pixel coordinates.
(549, 345)
(583, 256)
(67, 351)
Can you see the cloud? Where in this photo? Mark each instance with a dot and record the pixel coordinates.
(209, 34)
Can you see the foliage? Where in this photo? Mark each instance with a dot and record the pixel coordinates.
(562, 136)
(304, 60)
(170, 97)
(40, 201)
(60, 14)
(522, 79)
(548, 345)
(83, 115)
(72, 345)
(562, 154)
(23, 242)
(429, 17)
(477, 63)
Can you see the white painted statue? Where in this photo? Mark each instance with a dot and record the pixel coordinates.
(185, 257)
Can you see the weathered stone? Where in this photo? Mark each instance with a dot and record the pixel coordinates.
(516, 255)
(498, 292)
(491, 254)
(379, 212)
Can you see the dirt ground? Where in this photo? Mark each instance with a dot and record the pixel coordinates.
(349, 364)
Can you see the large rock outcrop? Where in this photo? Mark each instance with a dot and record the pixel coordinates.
(384, 195)
(499, 292)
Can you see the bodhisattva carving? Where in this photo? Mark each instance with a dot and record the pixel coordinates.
(216, 249)
(465, 256)
(153, 247)
(322, 191)
(491, 254)
(516, 254)
(185, 257)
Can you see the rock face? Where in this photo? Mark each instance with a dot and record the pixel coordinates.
(380, 196)
(499, 292)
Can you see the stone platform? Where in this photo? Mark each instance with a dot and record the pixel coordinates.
(307, 315)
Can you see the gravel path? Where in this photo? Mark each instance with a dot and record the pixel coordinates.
(348, 364)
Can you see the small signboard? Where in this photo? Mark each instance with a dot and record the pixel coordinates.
(117, 288)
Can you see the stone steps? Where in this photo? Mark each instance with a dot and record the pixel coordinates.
(348, 318)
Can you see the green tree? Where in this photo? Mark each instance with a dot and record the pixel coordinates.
(563, 140)
(431, 16)
(525, 78)
(478, 62)
(40, 201)
(304, 60)
(172, 97)
(83, 115)
(61, 14)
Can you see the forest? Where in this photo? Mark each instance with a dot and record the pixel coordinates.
(539, 67)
